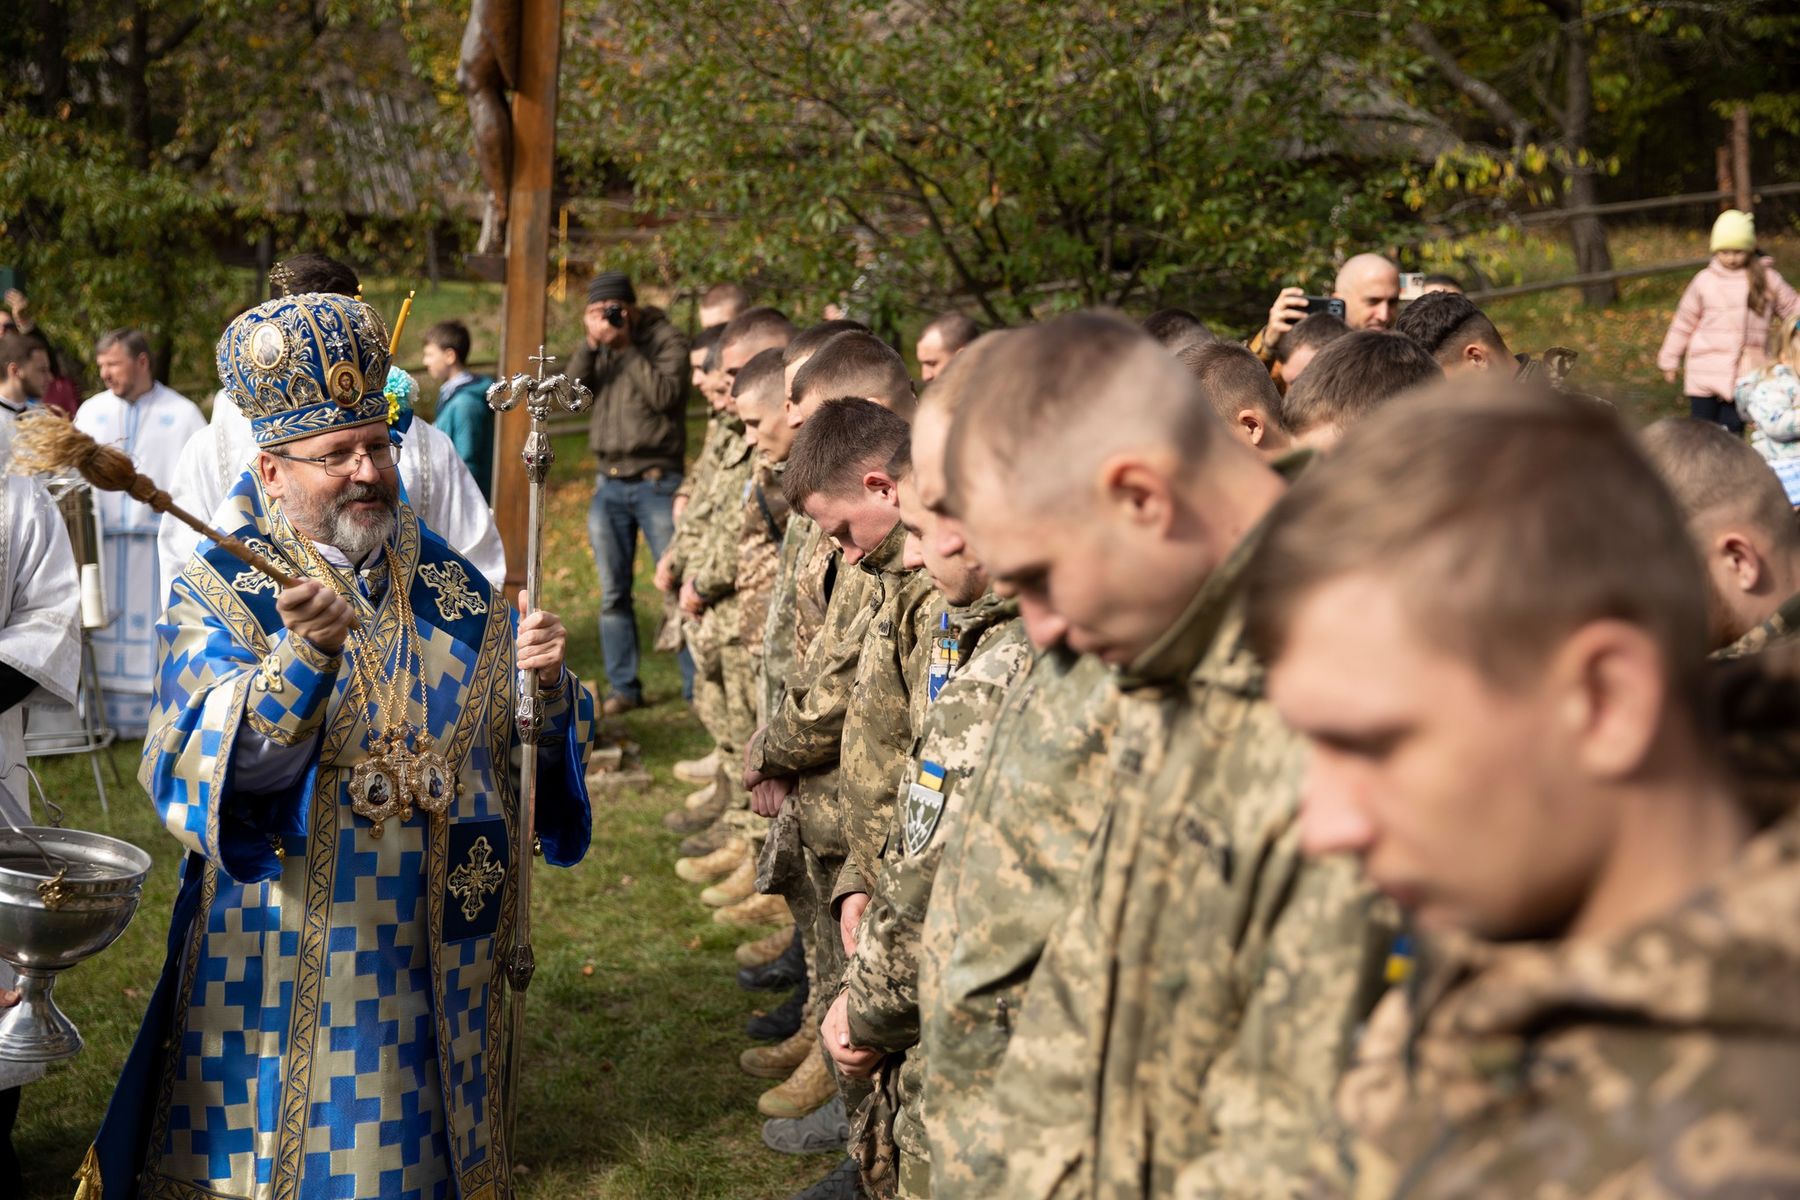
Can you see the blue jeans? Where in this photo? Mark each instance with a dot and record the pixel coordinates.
(620, 509)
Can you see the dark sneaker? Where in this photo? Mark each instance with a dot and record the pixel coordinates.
(785, 972)
(844, 1183)
(783, 1021)
(819, 1132)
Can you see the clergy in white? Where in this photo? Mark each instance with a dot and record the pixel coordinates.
(40, 650)
(151, 422)
(438, 487)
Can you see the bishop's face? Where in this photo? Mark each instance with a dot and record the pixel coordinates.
(341, 488)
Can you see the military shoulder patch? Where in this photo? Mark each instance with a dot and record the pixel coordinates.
(924, 805)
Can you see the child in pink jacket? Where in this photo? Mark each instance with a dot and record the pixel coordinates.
(1722, 322)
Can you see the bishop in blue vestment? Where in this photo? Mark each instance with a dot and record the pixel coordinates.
(340, 761)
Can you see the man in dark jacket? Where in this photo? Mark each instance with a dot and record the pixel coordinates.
(636, 364)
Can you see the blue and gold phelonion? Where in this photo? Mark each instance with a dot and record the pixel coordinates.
(303, 365)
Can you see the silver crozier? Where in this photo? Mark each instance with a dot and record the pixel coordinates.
(542, 395)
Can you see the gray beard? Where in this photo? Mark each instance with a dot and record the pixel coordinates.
(357, 536)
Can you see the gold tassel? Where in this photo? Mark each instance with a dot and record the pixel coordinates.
(87, 1179)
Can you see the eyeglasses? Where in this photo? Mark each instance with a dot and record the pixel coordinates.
(344, 463)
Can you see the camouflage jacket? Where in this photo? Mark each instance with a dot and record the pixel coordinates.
(714, 565)
(1660, 1063)
(879, 730)
(1782, 627)
(1194, 1007)
(882, 978)
(780, 651)
(724, 436)
(1009, 861)
(805, 731)
(759, 546)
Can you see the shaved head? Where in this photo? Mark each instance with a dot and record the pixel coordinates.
(1050, 401)
(1369, 286)
(1738, 516)
(1095, 483)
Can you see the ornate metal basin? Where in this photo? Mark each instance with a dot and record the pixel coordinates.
(49, 922)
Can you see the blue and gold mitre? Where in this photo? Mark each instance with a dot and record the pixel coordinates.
(304, 365)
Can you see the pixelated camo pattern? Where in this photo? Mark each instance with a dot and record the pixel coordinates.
(1659, 1064)
(1194, 1005)
(1027, 818)
(882, 979)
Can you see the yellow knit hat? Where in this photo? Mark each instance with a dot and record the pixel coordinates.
(1734, 230)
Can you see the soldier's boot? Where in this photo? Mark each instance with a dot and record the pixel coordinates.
(693, 820)
(808, 1089)
(782, 1021)
(785, 971)
(739, 885)
(819, 1132)
(844, 1183)
(778, 1061)
(707, 840)
(701, 798)
(756, 909)
(765, 950)
(698, 770)
(717, 865)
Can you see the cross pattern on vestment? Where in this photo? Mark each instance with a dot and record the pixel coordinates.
(472, 881)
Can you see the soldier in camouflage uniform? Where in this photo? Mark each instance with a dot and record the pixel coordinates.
(1008, 859)
(1499, 681)
(765, 520)
(1192, 1008)
(873, 1027)
(724, 440)
(1742, 525)
(797, 751)
(841, 474)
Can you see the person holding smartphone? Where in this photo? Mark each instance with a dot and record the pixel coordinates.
(1367, 290)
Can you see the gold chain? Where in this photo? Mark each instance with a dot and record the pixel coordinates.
(401, 756)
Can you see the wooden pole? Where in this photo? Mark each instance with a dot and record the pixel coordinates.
(1740, 156)
(524, 309)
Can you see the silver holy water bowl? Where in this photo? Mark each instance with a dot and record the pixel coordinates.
(51, 920)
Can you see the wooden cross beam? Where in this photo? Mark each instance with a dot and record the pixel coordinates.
(524, 309)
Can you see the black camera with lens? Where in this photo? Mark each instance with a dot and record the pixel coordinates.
(614, 315)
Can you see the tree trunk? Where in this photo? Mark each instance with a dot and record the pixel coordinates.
(1587, 235)
(137, 87)
(53, 65)
(1740, 156)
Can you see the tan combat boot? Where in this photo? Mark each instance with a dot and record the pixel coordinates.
(765, 950)
(698, 770)
(717, 865)
(809, 1087)
(778, 1061)
(701, 798)
(757, 909)
(738, 885)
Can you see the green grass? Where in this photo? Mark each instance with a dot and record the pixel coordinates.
(631, 1083)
